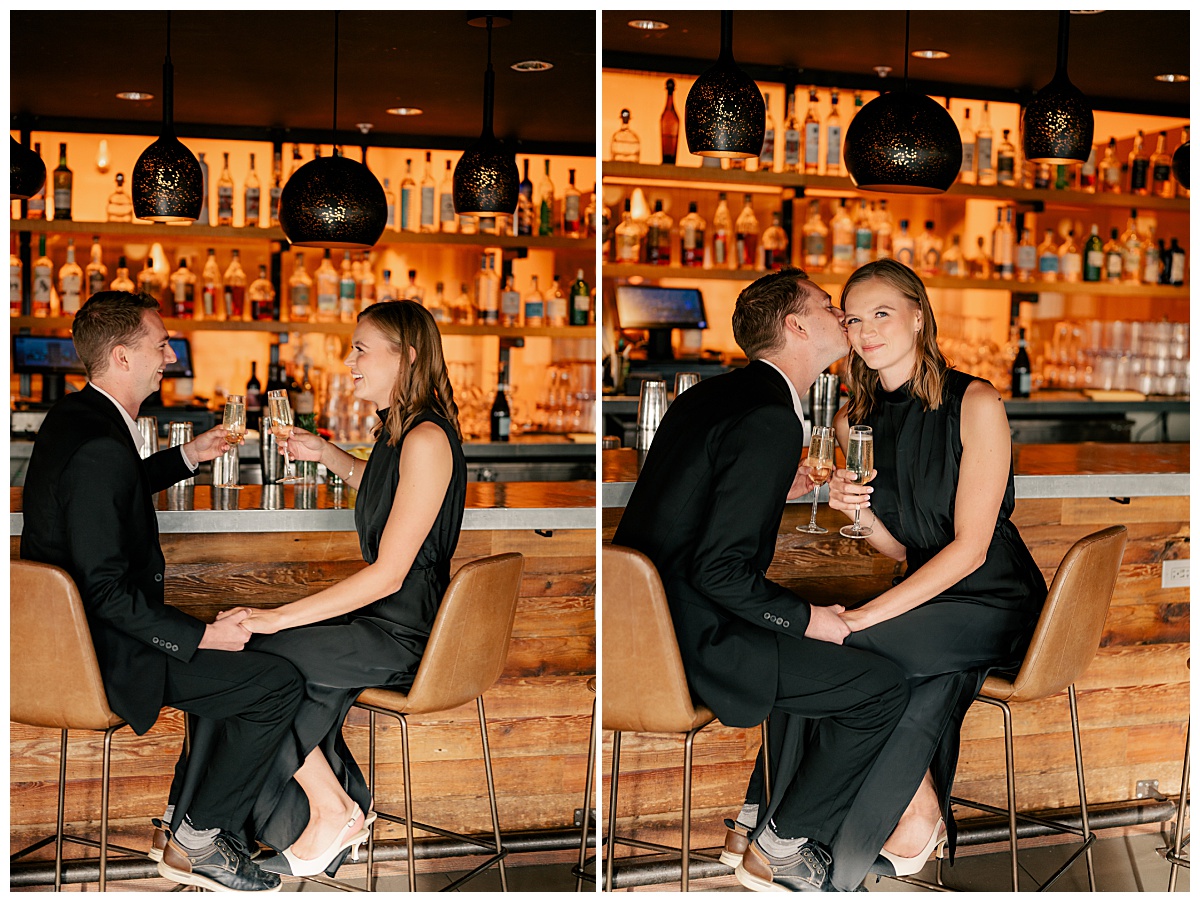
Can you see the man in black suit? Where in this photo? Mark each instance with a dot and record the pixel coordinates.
(706, 510)
(88, 504)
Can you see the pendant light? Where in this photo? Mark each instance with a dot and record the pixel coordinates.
(724, 114)
(1057, 125)
(333, 201)
(903, 143)
(485, 178)
(26, 171)
(167, 183)
(1181, 164)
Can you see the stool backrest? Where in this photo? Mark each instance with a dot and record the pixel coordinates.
(468, 645)
(54, 676)
(645, 688)
(1072, 620)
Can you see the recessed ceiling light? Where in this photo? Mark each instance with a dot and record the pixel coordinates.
(532, 66)
(406, 111)
(648, 24)
(931, 54)
(135, 95)
(1172, 76)
(1086, 12)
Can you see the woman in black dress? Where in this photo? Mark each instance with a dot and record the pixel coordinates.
(941, 501)
(369, 630)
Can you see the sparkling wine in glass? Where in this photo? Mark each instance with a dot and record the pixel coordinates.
(860, 460)
(234, 424)
(280, 410)
(820, 464)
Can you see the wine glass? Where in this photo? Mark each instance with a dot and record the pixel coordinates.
(234, 424)
(281, 426)
(860, 459)
(820, 464)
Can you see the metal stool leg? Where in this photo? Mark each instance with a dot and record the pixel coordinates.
(685, 859)
(1083, 812)
(62, 806)
(408, 815)
(1177, 846)
(487, 763)
(766, 750)
(1010, 773)
(371, 787)
(588, 802)
(105, 767)
(611, 825)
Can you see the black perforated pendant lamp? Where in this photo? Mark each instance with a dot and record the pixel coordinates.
(903, 143)
(26, 171)
(485, 178)
(1057, 125)
(724, 114)
(167, 183)
(333, 201)
(1181, 164)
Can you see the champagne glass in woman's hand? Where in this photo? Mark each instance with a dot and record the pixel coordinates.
(820, 466)
(860, 462)
(280, 410)
(304, 445)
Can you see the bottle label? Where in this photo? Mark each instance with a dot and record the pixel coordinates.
(1162, 172)
(405, 206)
(70, 286)
(300, 301)
(814, 245)
(983, 152)
(224, 202)
(510, 304)
(534, 312)
(862, 246)
(427, 196)
(950, 267)
(1095, 261)
(571, 210)
(1137, 174)
(1004, 166)
(235, 301)
(275, 192)
(1177, 260)
(346, 289)
(581, 303)
(1112, 175)
(327, 303)
(968, 163)
(904, 255)
(95, 282)
(1048, 263)
(41, 286)
(62, 203)
(1072, 265)
(791, 147)
(252, 197)
(14, 287)
(1026, 258)
(844, 253)
(391, 216)
(185, 299)
(1113, 265)
(833, 146)
(766, 156)
(1133, 263)
(1022, 384)
(812, 142)
(447, 208)
(720, 248)
(558, 310)
(208, 298)
(658, 246)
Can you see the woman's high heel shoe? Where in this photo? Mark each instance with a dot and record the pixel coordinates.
(906, 867)
(288, 864)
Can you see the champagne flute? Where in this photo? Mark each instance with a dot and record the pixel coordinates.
(281, 426)
(235, 432)
(860, 459)
(820, 465)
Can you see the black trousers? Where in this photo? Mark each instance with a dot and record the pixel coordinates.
(253, 696)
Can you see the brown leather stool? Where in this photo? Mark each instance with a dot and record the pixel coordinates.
(465, 655)
(55, 682)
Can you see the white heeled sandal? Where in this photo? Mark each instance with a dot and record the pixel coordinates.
(906, 867)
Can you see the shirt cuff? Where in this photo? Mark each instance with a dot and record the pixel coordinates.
(187, 460)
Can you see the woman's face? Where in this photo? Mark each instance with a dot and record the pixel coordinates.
(882, 325)
(374, 364)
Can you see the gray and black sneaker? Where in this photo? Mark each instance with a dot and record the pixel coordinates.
(223, 866)
(804, 871)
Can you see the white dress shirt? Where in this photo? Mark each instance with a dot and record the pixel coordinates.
(795, 401)
(130, 422)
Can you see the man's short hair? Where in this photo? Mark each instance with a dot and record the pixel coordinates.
(108, 319)
(762, 306)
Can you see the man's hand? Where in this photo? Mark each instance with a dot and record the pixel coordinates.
(825, 624)
(802, 484)
(207, 446)
(226, 633)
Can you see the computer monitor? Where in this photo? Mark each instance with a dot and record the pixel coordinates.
(53, 358)
(659, 310)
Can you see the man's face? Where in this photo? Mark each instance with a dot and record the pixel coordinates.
(148, 354)
(823, 323)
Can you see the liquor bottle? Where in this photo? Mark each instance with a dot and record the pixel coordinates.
(305, 407)
(1110, 169)
(883, 233)
(408, 191)
(1003, 240)
(775, 244)
(252, 197)
(414, 292)
(386, 290)
(276, 380)
(791, 138)
(1041, 178)
(1164, 256)
(487, 292)
(1070, 262)
(446, 220)
(1087, 173)
(253, 398)
(501, 415)
(572, 225)
(546, 203)
(1093, 256)
(841, 229)
(1114, 259)
(985, 171)
(1139, 166)
(203, 219)
(864, 234)
(327, 290)
(149, 282)
(276, 190)
(903, 246)
(1006, 161)
(558, 311)
(1178, 262)
(1160, 169)
(966, 173)
(262, 297)
(952, 260)
(589, 215)
(36, 207)
(812, 134)
(627, 238)
(234, 287)
(658, 237)
(367, 294)
(439, 309)
(1026, 257)
(1132, 248)
(15, 268)
(225, 196)
(463, 310)
(183, 291)
(43, 279)
(833, 137)
(63, 181)
(625, 144)
(581, 300)
(1152, 263)
(96, 272)
(299, 293)
(691, 238)
(1022, 372)
(390, 199)
(525, 204)
(535, 306)
(428, 196)
(766, 156)
(212, 294)
(120, 204)
(722, 229)
(929, 251)
(510, 302)
(122, 282)
(668, 124)
(70, 282)
(747, 235)
(816, 239)
(297, 160)
(347, 291)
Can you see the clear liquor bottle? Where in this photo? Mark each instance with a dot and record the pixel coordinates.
(510, 303)
(1110, 169)
(212, 291)
(225, 196)
(36, 207)
(1160, 169)
(149, 282)
(658, 237)
(390, 199)
(386, 289)
(952, 260)
(234, 285)
(775, 244)
(864, 235)
(120, 205)
(1070, 260)
(904, 247)
(535, 306)
(625, 144)
(816, 239)
(122, 282)
(812, 135)
(1152, 262)
(16, 268)
(327, 290)
(833, 137)
(1139, 166)
(428, 197)
(691, 238)
(276, 186)
(1003, 242)
(1087, 172)
(203, 218)
(1027, 257)
(966, 173)
(414, 292)
(546, 203)
(525, 204)
(792, 160)
(929, 250)
(70, 281)
(1006, 161)
(627, 238)
(985, 170)
(487, 292)
(572, 224)
(252, 198)
(1047, 256)
(96, 273)
(347, 291)
(63, 185)
(979, 266)
(261, 294)
(722, 233)
(589, 215)
(41, 287)
(668, 126)
(1132, 248)
(367, 289)
(297, 161)
(183, 291)
(408, 197)
(439, 308)
(841, 230)
(766, 156)
(557, 309)
(884, 232)
(747, 235)
(446, 216)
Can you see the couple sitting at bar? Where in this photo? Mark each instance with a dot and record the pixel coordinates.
(865, 704)
(265, 691)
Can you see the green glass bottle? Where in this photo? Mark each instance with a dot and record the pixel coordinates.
(581, 300)
(1093, 257)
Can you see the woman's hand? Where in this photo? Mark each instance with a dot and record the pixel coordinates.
(857, 619)
(846, 496)
(257, 620)
(304, 445)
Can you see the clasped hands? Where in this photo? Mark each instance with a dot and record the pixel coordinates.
(232, 629)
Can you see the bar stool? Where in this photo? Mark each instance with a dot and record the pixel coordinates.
(588, 801)
(465, 655)
(1174, 854)
(1063, 645)
(55, 682)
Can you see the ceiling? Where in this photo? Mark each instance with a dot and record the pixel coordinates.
(275, 70)
(1113, 56)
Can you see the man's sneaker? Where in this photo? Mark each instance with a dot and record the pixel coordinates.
(158, 842)
(737, 840)
(223, 866)
(804, 871)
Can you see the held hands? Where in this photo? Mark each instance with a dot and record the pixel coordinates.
(826, 624)
(207, 445)
(228, 632)
(254, 620)
(304, 445)
(802, 484)
(845, 495)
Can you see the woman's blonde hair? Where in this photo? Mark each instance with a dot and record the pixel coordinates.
(422, 383)
(929, 371)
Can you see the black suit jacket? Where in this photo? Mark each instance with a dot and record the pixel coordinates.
(706, 510)
(89, 508)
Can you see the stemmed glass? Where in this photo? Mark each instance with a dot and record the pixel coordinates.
(235, 432)
(280, 410)
(860, 459)
(820, 466)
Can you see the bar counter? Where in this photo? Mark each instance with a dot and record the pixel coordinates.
(1133, 698)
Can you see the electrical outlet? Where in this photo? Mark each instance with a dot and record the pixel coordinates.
(1176, 574)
